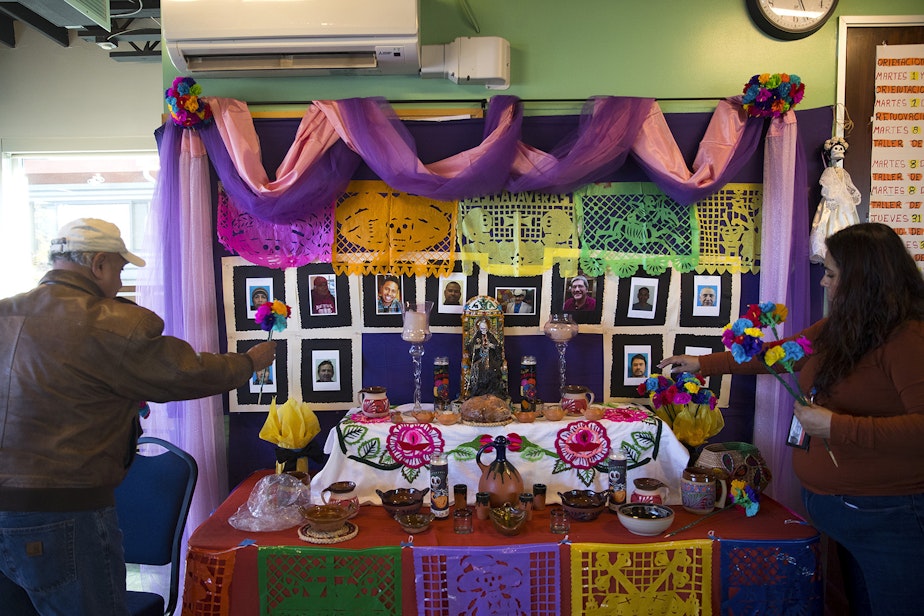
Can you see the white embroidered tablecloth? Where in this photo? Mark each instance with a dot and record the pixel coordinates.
(565, 455)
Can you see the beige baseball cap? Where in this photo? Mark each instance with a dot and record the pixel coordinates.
(92, 235)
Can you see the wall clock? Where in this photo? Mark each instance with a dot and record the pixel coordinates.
(790, 19)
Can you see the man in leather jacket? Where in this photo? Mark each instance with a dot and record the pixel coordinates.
(77, 364)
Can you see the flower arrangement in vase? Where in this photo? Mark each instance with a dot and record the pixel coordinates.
(686, 405)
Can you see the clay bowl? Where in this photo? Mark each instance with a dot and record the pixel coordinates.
(583, 505)
(552, 412)
(402, 500)
(508, 520)
(414, 523)
(525, 416)
(594, 412)
(646, 519)
(423, 417)
(325, 518)
(447, 418)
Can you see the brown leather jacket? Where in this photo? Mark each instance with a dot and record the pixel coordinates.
(75, 366)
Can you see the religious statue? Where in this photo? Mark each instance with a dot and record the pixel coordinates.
(484, 365)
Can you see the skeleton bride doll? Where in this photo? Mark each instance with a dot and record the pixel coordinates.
(839, 199)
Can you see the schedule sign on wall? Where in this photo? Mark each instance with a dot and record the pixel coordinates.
(897, 165)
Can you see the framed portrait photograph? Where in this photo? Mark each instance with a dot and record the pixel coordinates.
(705, 300)
(580, 295)
(449, 294)
(632, 307)
(327, 374)
(326, 370)
(323, 297)
(635, 358)
(254, 286)
(519, 296)
(643, 297)
(274, 381)
(383, 295)
(707, 290)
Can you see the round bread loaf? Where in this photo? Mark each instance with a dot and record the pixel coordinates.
(485, 409)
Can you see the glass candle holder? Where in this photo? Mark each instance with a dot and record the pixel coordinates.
(416, 330)
(559, 522)
(462, 521)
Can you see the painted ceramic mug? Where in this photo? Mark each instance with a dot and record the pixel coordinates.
(575, 399)
(375, 402)
(701, 490)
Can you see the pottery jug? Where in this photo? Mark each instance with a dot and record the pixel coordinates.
(648, 490)
(374, 401)
(575, 399)
(500, 479)
(341, 493)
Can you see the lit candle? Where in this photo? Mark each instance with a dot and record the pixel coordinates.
(560, 333)
(415, 327)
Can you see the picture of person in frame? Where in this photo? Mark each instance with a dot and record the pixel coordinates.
(637, 358)
(642, 295)
(452, 293)
(322, 301)
(519, 303)
(264, 381)
(258, 297)
(707, 290)
(638, 365)
(579, 295)
(325, 372)
(388, 300)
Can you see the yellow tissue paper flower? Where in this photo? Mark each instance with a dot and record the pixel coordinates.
(290, 426)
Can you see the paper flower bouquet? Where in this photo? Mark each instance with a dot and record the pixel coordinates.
(686, 405)
(770, 96)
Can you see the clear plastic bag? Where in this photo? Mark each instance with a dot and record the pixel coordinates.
(273, 504)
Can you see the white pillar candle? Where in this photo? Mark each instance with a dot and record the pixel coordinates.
(415, 327)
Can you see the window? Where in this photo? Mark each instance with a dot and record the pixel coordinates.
(46, 191)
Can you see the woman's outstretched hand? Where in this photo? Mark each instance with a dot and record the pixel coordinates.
(681, 363)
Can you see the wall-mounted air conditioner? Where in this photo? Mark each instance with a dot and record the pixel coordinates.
(243, 38)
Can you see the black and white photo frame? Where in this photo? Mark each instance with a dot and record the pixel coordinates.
(327, 370)
(323, 297)
(276, 383)
(442, 291)
(629, 352)
(566, 290)
(696, 307)
(631, 293)
(254, 285)
(520, 297)
(376, 311)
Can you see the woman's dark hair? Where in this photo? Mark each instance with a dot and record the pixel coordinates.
(879, 287)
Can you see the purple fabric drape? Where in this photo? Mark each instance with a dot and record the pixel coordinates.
(372, 129)
(313, 192)
(607, 129)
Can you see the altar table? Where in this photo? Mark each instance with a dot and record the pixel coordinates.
(767, 563)
(565, 455)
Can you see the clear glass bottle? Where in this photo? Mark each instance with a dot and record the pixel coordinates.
(617, 478)
(439, 486)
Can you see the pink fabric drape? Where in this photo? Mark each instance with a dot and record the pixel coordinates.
(773, 404)
(315, 136)
(182, 284)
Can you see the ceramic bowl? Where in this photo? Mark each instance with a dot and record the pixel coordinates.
(552, 412)
(594, 412)
(525, 416)
(414, 523)
(646, 519)
(325, 518)
(423, 417)
(583, 505)
(508, 520)
(447, 418)
(402, 500)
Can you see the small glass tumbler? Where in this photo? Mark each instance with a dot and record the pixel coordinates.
(482, 505)
(559, 523)
(462, 521)
(526, 504)
(460, 491)
(539, 490)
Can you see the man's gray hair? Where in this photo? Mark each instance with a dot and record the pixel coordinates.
(79, 257)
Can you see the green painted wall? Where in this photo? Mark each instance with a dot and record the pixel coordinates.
(573, 49)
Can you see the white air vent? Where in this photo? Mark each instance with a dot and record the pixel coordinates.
(72, 13)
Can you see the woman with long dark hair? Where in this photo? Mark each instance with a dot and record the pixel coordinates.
(865, 381)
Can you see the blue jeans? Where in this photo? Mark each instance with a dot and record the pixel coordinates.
(885, 537)
(62, 563)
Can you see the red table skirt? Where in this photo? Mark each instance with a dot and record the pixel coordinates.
(222, 569)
